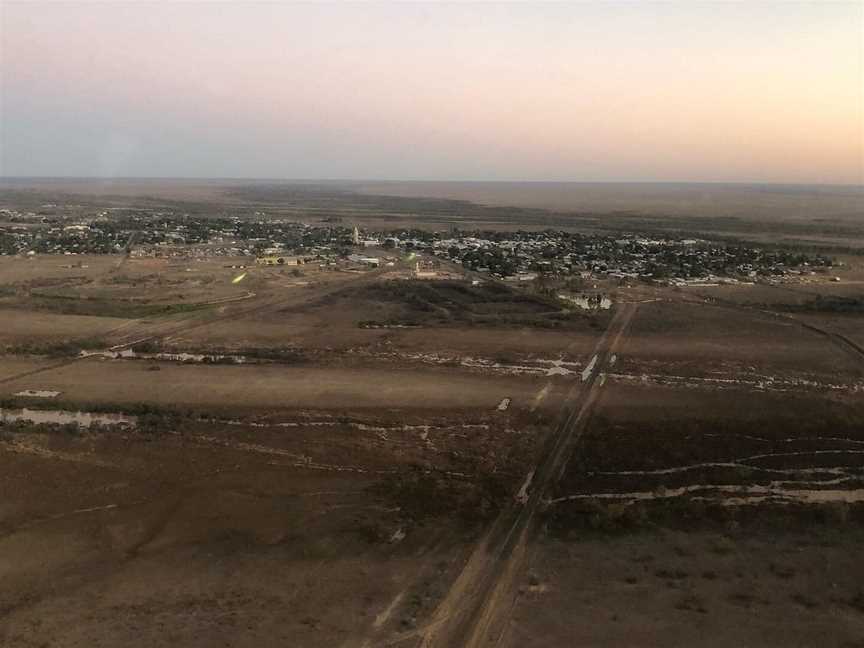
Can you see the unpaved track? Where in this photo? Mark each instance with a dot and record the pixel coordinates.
(247, 306)
(33, 372)
(138, 331)
(837, 339)
(474, 612)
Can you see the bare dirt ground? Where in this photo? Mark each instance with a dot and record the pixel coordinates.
(209, 539)
(649, 445)
(15, 269)
(23, 327)
(307, 514)
(127, 382)
(416, 466)
(14, 366)
(510, 346)
(711, 340)
(365, 323)
(850, 326)
(692, 589)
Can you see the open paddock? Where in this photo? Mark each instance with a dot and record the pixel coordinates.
(54, 267)
(661, 446)
(39, 328)
(322, 339)
(218, 535)
(693, 339)
(279, 387)
(850, 325)
(698, 589)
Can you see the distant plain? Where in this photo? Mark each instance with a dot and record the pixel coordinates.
(829, 216)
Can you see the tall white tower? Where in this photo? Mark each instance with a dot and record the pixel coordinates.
(355, 237)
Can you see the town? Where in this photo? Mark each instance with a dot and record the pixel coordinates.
(516, 255)
(431, 324)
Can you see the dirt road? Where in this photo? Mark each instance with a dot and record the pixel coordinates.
(159, 328)
(475, 610)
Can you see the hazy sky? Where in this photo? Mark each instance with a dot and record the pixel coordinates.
(587, 91)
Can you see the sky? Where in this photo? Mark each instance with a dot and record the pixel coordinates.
(725, 92)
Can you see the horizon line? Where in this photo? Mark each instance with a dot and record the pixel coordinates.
(435, 181)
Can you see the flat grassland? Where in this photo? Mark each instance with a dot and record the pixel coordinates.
(817, 216)
(310, 459)
(692, 589)
(118, 382)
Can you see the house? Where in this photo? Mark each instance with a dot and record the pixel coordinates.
(373, 262)
(283, 260)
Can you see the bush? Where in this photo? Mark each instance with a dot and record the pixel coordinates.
(419, 495)
(148, 346)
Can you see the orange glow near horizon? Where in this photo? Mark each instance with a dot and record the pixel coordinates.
(764, 93)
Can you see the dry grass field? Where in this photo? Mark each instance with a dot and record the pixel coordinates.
(325, 458)
(707, 200)
(692, 589)
(794, 214)
(216, 538)
(709, 340)
(119, 382)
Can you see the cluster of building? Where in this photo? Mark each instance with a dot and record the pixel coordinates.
(507, 255)
(525, 255)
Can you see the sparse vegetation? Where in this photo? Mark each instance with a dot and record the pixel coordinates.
(368, 460)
